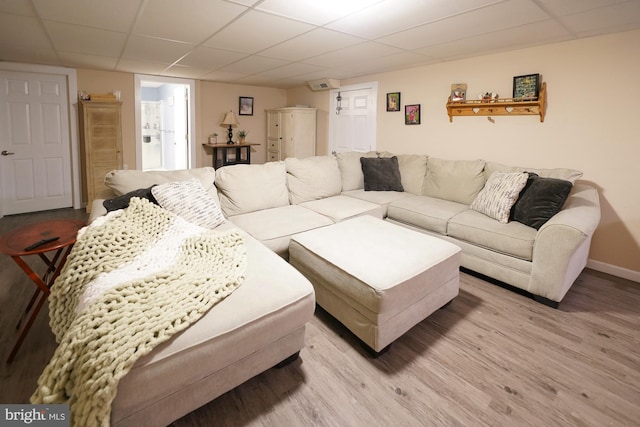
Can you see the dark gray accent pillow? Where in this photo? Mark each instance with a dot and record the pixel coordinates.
(381, 174)
(122, 202)
(540, 199)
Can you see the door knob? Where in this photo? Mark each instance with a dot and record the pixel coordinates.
(6, 153)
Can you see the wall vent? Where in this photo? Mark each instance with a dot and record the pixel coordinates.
(324, 84)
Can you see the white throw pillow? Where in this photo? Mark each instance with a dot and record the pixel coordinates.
(500, 194)
(189, 200)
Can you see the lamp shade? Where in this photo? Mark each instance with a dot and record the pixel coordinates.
(230, 119)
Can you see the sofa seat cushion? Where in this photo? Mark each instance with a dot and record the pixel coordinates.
(512, 239)
(273, 301)
(430, 213)
(339, 208)
(274, 226)
(382, 198)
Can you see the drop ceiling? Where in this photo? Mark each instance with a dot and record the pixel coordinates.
(285, 43)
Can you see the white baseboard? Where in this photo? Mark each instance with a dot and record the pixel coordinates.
(614, 270)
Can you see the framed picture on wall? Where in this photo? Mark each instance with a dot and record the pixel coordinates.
(527, 86)
(458, 92)
(412, 114)
(393, 101)
(246, 106)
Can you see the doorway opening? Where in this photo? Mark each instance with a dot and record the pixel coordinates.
(165, 112)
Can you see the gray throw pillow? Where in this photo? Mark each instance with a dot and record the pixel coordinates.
(381, 174)
(122, 202)
(541, 199)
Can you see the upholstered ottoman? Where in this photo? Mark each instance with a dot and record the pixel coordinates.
(377, 278)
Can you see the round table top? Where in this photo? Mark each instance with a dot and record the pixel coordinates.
(14, 242)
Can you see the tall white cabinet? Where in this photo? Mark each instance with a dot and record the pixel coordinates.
(291, 132)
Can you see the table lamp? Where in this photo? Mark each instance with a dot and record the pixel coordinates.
(230, 120)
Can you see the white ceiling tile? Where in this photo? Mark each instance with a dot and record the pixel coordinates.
(15, 53)
(23, 31)
(176, 20)
(17, 8)
(313, 43)
(185, 72)
(245, 2)
(256, 31)
(254, 64)
(623, 16)
(141, 66)
(263, 40)
(391, 16)
(485, 20)
(157, 50)
(80, 39)
(525, 35)
(353, 54)
(290, 70)
(569, 7)
(313, 11)
(83, 60)
(223, 76)
(115, 15)
(210, 58)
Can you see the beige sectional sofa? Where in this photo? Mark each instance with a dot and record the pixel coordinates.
(274, 201)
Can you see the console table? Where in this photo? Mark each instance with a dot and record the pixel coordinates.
(230, 154)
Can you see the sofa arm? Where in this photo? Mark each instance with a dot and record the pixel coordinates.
(561, 248)
(97, 208)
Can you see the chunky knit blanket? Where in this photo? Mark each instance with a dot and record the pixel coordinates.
(131, 281)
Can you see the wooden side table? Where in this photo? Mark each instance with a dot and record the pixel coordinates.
(240, 154)
(19, 243)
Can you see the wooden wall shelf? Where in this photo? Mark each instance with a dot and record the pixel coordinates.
(501, 106)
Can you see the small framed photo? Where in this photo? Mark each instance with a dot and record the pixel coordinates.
(393, 101)
(458, 92)
(527, 86)
(412, 114)
(246, 106)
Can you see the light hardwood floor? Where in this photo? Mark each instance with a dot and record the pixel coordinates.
(491, 358)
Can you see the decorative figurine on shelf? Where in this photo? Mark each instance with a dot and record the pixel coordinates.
(488, 97)
(242, 136)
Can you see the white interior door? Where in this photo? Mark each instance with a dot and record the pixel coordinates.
(35, 165)
(352, 123)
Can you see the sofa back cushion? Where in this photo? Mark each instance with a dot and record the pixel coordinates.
(455, 180)
(125, 181)
(413, 168)
(312, 178)
(351, 169)
(248, 188)
(570, 175)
